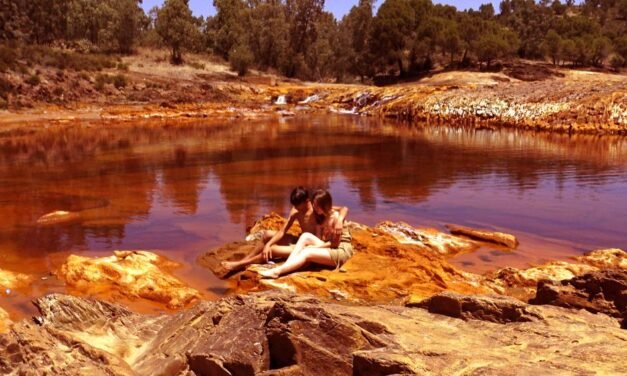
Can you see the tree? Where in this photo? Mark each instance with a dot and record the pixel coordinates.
(356, 27)
(391, 33)
(240, 59)
(229, 25)
(553, 45)
(175, 25)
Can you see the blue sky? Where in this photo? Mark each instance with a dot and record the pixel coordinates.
(338, 7)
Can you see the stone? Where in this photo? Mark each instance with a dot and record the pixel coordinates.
(498, 309)
(5, 320)
(605, 258)
(58, 217)
(13, 280)
(604, 292)
(508, 240)
(283, 334)
(135, 274)
(273, 222)
(381, 270)
(432, 239)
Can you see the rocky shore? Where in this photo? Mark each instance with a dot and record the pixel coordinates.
(397, 307)
(562, 101)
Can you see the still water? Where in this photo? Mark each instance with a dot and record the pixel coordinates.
(181, 188)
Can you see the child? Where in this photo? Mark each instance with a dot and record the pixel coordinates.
(280, 244)
(325, 247)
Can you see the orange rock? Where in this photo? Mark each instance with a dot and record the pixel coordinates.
(5, 321)
(12, 280)
(272, 221)
(132, 273)
(430, 238)
(605, 258)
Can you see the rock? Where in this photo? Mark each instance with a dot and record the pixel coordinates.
(272, 221)
(284, 334)
(605, 258)
(499, 309)
(213, 258)
(604, 291)
(131, 273)
(437, 241)
(501, 238)
(381, 270)
(58, 217)
(5, 320)
(13, 280)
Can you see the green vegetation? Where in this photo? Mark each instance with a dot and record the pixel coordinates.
(299, 39)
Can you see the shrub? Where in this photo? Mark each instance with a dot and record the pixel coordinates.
(617, 62)
(240, 59)
(119, 81)
(5, 88)
(196, 65)
(123, 67)
(8, 58)
(33, 80)
(101, 80)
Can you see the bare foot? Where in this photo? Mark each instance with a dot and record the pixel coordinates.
(229, 265)
(270, 273)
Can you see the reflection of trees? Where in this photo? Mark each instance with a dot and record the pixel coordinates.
(112, 173)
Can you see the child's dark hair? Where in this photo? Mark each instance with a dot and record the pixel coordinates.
(322, 198)
(298, 196)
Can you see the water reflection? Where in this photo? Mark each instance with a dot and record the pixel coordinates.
(186, 187)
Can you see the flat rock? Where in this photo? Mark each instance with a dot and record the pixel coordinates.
(430, 238)
(283, 334)
(604, 292)
(499, 309)
(137, 274)
(500, 238)
(381, 270)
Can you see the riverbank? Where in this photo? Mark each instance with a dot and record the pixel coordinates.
(397, 306)
(524, 95)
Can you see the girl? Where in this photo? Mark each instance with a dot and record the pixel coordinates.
(326, 247)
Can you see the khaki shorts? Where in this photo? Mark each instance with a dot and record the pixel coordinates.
(341, 254)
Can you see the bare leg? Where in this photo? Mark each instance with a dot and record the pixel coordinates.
(256, 256)
(298, 260)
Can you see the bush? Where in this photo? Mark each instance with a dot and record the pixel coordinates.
(5, 88)
(196, 65)
(240, 59)
(119, 81)
(617, 62)
(3, 104)
(101, 80)
(33, 80)
(123, 67)
(8, 58)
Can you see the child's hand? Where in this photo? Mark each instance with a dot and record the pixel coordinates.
(267, 253)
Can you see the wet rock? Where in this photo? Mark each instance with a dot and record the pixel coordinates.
(131, 273)
(437, 241)
(499, 309)
(58, 217)
(283, 334)
(501, 238)
(604, 291)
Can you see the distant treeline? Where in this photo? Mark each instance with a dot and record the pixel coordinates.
(299, 39)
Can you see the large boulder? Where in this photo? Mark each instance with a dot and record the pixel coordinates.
(282, 334)
(135, 274)
(604, 291)
(499, 309)
(381, 270)
(432, 239)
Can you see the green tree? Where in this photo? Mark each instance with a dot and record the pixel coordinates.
(391, 33)
(229, 25)
(175, 25)
(553, 45)
(356, 28)
(241, 58)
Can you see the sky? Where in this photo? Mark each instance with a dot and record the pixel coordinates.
(338, 7)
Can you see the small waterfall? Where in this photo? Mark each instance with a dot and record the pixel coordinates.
(282, 99)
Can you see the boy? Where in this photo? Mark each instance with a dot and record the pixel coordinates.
(279, 244)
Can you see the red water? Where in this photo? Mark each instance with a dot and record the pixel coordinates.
(180, 189)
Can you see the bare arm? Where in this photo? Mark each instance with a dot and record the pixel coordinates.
(267, 249)
(343, 210)
(338, 226)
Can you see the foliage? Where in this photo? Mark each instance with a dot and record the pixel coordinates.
(240, 59)
(176, 26)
